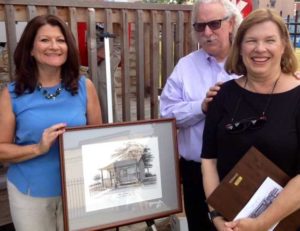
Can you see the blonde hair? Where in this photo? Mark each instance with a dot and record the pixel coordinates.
(235, 64)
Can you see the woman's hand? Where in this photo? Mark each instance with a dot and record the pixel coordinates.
(246, 224)
(212, 92)
(49, 136)
(219, 223)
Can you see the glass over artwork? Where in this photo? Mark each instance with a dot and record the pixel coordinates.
(119, 174)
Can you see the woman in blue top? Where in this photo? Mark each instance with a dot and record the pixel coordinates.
(47, 96)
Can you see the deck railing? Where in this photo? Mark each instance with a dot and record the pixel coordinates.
(160, 35)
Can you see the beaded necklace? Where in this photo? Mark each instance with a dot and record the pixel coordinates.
(48, 95)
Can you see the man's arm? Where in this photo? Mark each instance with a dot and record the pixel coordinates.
(173, 103)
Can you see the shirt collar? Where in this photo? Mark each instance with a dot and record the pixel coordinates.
(210, 58)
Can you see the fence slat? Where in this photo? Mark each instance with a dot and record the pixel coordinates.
(109, 24)
(11, 37)
(31, 12)
(139, 35)
(73, 22)
(52, 10)
(167, 47)
(92, 48)
(125, 68)
(191, 43)
(179, 37)
(147, 57)
(154, 76)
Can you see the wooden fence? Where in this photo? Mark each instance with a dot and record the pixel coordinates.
(161, 35)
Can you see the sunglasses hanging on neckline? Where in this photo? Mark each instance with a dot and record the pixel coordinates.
(246, 124)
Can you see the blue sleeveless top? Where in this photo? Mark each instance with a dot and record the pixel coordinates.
(40, 176)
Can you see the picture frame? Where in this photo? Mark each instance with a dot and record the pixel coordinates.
(119, 174)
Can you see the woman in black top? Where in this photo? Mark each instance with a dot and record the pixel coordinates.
(261, 109)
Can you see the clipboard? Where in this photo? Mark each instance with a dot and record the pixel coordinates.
(238, 186)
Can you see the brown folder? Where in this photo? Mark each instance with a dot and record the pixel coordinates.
(239, 185)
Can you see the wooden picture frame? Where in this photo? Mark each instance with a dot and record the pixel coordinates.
(118, 174)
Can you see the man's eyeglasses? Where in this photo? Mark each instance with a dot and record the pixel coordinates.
(246, 124)
(213, 25)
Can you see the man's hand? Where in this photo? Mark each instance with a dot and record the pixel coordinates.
(212, 92)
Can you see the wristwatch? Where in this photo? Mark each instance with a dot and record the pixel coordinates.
(213, 214)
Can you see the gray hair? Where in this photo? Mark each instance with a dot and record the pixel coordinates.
(230, 9)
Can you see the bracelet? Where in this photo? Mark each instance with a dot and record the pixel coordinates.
(213, 214)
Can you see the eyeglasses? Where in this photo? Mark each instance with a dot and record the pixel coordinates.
(246, 124)
(213, 25)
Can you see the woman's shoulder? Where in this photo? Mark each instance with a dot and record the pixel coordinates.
(289, 83)
(10, 87)
(4, 91)
(5, 95)
(230, 85)
(88, 82)
(89, 85)
(229, 89)
(84, 81)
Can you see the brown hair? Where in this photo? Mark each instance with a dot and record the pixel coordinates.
(26, 67)
(234, 63)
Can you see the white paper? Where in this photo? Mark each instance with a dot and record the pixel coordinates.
(261, 200)
(97, 156)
